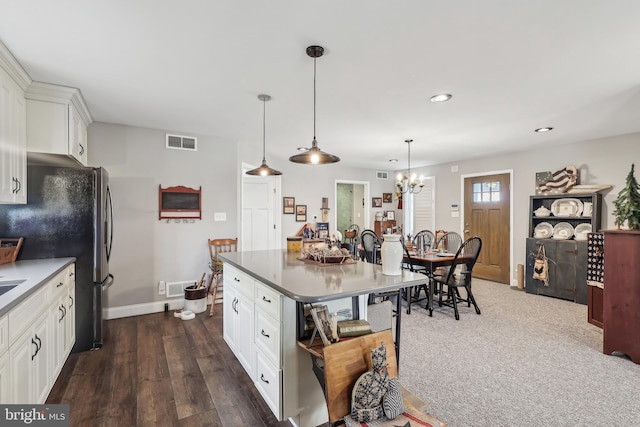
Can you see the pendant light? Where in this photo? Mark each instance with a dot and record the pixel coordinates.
(314, 156)
(264, 170)
(409, 183)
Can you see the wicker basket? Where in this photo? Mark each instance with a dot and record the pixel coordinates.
(9, 249)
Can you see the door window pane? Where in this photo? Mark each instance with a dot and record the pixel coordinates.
(486, 192)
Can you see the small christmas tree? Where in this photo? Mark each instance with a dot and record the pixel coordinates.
(627, 205)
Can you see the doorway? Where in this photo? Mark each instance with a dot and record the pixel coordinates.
(259, 214)
(351, 208)
(487, 214)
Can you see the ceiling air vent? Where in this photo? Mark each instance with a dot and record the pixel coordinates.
(382, 175)
(181, 142)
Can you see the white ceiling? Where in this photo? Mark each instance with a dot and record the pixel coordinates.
(197, 67)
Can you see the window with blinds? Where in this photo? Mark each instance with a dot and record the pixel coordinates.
(422, 208)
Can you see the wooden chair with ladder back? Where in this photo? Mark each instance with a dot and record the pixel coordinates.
(217, 246)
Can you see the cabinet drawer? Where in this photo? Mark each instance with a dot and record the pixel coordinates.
(268, 382)
(59, 284)
(25, 313)
(268, 300)
(239, 280)
(267, 336)
(4, 334)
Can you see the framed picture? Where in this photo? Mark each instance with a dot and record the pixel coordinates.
(387, 198)
(376, 202)
(288, 205)
(391, 215)
(323, 230)
(301, 213)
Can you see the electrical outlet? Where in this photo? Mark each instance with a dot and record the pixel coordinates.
(219, 216)
(162, 287)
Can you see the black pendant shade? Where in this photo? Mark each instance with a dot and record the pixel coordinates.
(264, 169)
(314, 156)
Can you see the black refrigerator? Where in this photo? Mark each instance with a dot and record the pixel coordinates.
(69, 214)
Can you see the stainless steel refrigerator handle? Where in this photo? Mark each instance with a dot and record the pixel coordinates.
(110, 223)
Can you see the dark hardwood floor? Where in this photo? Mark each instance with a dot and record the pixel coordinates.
(159, 370)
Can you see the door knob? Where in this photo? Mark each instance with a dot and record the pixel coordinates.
(466, 231)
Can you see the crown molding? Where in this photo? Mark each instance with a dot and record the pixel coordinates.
(11, 65)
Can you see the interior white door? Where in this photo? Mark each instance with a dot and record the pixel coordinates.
(259, 230)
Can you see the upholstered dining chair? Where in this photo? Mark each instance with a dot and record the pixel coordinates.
(217, 246)
(457, 278)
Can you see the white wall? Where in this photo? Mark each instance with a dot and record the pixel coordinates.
(147, 250)
(601, 161)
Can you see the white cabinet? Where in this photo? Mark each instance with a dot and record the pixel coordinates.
(29, 360)
(238, 315)
(57, 121)
(13, 142)
(62, 318)
(40, 332)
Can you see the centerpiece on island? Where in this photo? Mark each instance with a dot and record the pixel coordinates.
(324, 254)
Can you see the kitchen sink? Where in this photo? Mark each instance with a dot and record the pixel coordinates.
(7, 285)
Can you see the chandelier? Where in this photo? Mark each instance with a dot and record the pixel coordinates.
(409, 183)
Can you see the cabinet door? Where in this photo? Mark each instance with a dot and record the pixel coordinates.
(77, 136)
(244, 333)
(71, 318)
(229, 316)
(13, 152)
(58, 314)
(5, 379)
(43, 359)
(21, 360)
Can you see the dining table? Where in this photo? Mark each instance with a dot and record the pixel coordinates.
(431, 260)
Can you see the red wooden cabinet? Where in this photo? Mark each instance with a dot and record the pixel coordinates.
(621, 299)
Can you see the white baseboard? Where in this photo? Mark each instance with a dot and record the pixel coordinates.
(139, 309)
(145, 308)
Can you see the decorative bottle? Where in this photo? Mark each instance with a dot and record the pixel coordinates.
(391, 253)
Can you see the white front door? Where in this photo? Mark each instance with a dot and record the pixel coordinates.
(260, 226)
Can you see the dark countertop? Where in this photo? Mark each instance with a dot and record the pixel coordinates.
(36, 272)
(303, 282)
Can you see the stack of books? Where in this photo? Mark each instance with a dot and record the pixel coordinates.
(353, 328)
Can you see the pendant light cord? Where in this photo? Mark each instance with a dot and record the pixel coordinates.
(264, 127)
(314, 101)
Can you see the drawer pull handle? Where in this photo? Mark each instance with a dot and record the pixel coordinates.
(265, 299)
(263, 379)
(59, 284)
(236, 279)
(264, 334)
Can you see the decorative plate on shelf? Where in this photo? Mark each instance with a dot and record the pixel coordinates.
(544, 230)
(566, 207)
(562, 231)
(582, 230)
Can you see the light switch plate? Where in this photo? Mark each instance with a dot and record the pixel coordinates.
(220, 216)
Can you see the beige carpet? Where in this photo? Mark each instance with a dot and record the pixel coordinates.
(527, 360)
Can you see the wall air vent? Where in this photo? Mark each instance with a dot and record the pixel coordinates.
(176, 289)
(181, 142)
(382, 175)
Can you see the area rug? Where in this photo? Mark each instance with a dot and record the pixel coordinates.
(409, 418)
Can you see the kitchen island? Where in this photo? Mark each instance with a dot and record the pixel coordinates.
(263, 292)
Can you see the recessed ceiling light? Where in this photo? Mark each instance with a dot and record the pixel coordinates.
(547, 129)
(441, 97)
(393, 160)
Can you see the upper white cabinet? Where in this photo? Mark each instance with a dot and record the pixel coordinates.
(57, 121)
(13, 142)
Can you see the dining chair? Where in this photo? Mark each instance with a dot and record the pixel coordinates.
(217, 246)
(426, 237)
(412, 293)
(456, 278)
(370, 245)
(449, 241)
(351, 235)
